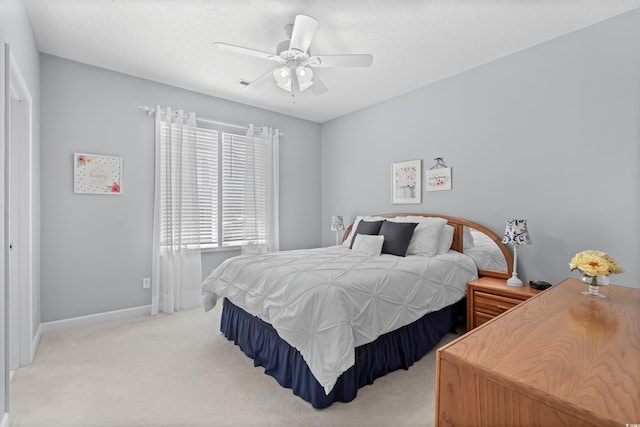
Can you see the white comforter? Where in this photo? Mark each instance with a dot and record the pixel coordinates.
(327, 301)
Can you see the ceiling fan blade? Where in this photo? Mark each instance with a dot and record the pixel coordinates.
(246, 51)
(260, 81)
(318, 87)
(354, 60)
(304, 28)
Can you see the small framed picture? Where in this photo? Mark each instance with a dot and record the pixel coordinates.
(406, 179)
(438, 179)
(97, 174)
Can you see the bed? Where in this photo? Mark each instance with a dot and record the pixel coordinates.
(327, 321)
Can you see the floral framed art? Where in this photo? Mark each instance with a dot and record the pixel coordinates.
(406, 178)
(438, 179)
(97, 174)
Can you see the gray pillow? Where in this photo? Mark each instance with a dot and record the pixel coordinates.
(397, 236)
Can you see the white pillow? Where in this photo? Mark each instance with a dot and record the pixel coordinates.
(426, 236)
(347, 242)
(467, 238)
(368, 244)
(446, 239)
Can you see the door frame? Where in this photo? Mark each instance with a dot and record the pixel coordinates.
(18, 228)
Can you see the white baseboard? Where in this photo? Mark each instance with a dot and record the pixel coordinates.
(5, 420)
(92, 319)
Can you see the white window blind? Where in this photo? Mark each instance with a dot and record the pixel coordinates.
(230, 171)
(243, 189)
(208, 171)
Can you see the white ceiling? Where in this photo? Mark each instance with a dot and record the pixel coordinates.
(413, 42)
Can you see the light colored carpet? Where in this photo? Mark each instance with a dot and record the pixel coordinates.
(179, 370)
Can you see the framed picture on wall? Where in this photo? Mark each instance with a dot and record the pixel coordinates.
(406, 178)
(97, 174)
(438, 179)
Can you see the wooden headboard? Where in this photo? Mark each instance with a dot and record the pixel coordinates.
(457, 245)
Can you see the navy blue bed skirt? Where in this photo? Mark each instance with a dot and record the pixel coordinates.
(391, 351)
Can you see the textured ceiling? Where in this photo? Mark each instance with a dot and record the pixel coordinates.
(414, 43)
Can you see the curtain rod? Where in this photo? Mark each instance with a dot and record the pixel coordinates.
(151, 111)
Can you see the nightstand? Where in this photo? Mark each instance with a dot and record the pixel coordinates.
(488, 297)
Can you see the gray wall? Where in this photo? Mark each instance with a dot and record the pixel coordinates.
(15, 30)
(96, 249)
(551, 134)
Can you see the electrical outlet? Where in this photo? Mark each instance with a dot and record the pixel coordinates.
(146, 283)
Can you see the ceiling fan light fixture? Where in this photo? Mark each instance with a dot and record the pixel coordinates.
(282, 76)
(294, 60)
(305, 77)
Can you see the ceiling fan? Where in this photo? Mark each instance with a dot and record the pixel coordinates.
(294, 59)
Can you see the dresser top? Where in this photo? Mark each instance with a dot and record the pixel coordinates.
(580, 352)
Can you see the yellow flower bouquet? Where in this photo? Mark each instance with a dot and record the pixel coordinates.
(595, 266)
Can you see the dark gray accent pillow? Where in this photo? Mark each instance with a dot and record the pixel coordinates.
(397, 236)
(367, 227)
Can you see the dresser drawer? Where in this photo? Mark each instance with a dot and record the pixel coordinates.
(493, 304)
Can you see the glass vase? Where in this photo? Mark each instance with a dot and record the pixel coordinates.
(594, 283)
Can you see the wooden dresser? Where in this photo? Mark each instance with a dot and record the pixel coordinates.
(558, 359)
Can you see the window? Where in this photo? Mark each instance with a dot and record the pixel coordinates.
(243, 194)
(231, 190)
(207, 170)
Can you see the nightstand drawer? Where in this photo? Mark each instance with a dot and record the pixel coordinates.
(480, 318)
(489, 297)
(493, 304)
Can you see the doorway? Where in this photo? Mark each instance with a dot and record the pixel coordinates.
(18, 216)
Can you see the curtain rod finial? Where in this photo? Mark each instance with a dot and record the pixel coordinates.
(148, 110)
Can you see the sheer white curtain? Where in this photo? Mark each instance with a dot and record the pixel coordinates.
(176, 266)
(261, 192)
